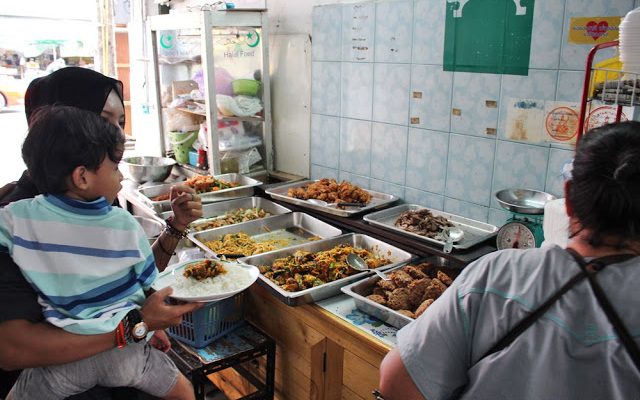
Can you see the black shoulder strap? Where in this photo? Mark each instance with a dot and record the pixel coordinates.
(615, 320)
(540, 311)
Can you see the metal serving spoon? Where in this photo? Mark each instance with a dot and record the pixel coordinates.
(356, 262)
(323, 203)
(451, 234)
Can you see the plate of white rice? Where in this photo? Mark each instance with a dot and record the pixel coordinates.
(235, 278)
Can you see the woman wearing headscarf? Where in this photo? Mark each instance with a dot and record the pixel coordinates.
(27, 341)
(547, 323)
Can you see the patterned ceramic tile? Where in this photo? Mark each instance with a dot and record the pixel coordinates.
(358, 32)
(430, 97)
(391, 84)
(389, 152)
(427, 160)
(327, 33)
(519, 166)
(357, 90)
(570, 86)
(388, 188)
(546, 34)
(477, 97)
(573, 56)
(394, 22)
(470, 168)
(428, 31)
(425, 199)
(362, 181)
(555, 182)
(325, 88)
(465, 209)
(355, 146)
(319, 172)
(498, 217)
(325, 140)
(539, 85)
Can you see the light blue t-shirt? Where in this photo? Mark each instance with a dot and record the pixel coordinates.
(572, 352)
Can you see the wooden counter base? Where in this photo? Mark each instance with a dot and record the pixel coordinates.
(318, 355)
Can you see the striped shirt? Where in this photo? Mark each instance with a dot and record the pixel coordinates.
(87, 261)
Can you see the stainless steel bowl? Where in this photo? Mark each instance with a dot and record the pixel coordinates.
(525, 201)
(147, 168)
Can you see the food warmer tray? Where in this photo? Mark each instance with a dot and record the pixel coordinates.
(329, 289)
(378, 200)
(245, 188)
(361, 289)
(474, 231)
(297, 226)
(219, 209)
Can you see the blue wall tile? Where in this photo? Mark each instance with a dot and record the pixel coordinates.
(519, 166)
(327, 33)
(434, 107)
(394, 23)
(425, 199)
(470, 95)
(362, 181)
(555, 182)
(428, 31)
(325, 140)
(427, 160)
(498, 217)
(319, 172)
(470, 168)
(358, 32)
(389, 152)
(391, 83)
(466, 209)
(387, 187)
(325, 88)
(357, 90)
(570, 86)
(546, 34)
(355, 146)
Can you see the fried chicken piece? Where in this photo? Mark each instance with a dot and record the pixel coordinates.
(415, 272)
(380, 292)
(425, 267)
(406, 313)
(387, 285)
(399, 299)
(434, 290)
(444, 278)
(400, 278)
(423, 307)
(377, 298)
(417, 289)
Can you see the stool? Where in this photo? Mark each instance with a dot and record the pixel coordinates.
(242, 344)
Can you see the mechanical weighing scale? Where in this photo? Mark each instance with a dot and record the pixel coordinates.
(524, 229)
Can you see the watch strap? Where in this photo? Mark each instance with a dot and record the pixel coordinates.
(129, 322)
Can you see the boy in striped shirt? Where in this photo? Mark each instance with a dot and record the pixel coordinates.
(89, 262)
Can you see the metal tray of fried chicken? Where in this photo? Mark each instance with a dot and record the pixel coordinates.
(268, 234)
(411, 290)
(378, 200)
(474, 231)
(230, 212)
(244, 188)
(380, 253)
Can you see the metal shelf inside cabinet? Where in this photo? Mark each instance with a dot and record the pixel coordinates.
(254, 118)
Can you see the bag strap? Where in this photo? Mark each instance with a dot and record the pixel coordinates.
(540, 311)
(614, 318)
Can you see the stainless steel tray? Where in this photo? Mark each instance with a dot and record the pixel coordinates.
(361, 289)
(474, 231)
(245, 188)
(330, 289)
(219, 209)
(295, 227)
(378, 200)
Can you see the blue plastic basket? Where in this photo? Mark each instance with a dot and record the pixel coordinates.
(203, 326)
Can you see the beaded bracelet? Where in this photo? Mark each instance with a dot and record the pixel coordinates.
(171, 230)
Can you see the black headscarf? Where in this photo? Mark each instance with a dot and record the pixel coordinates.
(71, 86)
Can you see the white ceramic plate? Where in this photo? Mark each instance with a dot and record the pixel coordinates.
(173, 275)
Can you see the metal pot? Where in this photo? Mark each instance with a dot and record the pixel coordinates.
(147, 168)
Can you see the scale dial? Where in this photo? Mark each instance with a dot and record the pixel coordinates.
(515, 235)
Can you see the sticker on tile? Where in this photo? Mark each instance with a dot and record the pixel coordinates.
(561, 121)
(525, 120)
(603, 115)
(593, 30)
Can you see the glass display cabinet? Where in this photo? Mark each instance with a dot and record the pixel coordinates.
(211, 74)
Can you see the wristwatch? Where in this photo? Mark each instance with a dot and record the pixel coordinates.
(135, 329)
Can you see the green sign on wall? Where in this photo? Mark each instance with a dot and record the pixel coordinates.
(492, 36)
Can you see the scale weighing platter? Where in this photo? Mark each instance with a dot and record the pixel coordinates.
(524, 229)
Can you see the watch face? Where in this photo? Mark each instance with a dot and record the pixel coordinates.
(140, 330)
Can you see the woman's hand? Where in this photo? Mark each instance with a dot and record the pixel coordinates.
(160, 341)
(159, 315)
(186, 206)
